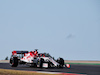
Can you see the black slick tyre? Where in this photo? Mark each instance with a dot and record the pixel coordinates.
(41, 62)
(61, 62)
(14, 62)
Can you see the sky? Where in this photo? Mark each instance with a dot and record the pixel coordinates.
(63, 28)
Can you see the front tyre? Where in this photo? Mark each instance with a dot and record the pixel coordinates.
(61, 62)
(41, 62)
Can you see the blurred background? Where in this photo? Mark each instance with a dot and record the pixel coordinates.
(62, 28)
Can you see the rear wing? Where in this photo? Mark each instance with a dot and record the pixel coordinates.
(19, 52)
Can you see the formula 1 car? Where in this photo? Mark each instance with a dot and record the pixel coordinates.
(34, 59)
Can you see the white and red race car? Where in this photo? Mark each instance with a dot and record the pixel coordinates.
(34, 59)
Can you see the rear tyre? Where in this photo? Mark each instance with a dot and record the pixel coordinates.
(14, 62)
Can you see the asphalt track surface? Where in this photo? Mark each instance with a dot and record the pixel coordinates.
(77, 69)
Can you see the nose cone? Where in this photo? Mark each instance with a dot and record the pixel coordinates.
(68, 65)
